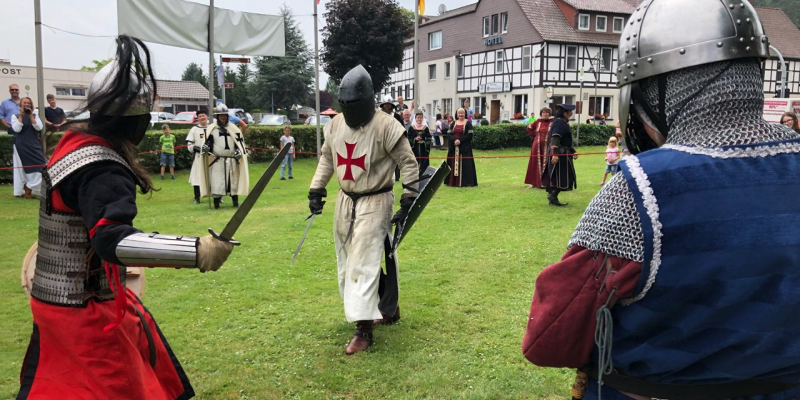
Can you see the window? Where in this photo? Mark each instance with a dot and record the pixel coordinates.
(447, 106)
(600, 105)
(572, 58)
(78, 92)
(619, 23)
(600, 23)
(447, 70)
(562, 99)
(460, 67)
(432, 72)
(504, 22)
(498, 63)
(495, 24)
(583, 22)
(605, 59)
(479, 106)
(435, 40)
(521, 104)
(485, 26)
(62, 91)
(526, 58)
(407, 93)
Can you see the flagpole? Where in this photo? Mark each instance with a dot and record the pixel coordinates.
(415, 93)
(316, 79)
(211, 60)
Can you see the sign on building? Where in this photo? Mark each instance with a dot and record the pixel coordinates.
(495, 87)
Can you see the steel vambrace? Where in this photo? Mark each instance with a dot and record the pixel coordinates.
(156, 250)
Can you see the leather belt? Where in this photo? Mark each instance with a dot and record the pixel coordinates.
(355, 197)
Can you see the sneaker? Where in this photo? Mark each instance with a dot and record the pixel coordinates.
(196, 200)
(283, 179)
(173, 177)
(291, 177)
(162, 177)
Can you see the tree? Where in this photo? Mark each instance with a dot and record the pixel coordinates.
(287, 78)
(98, 64)
(332, 88)
(239, 96)
(194, 72)
(326, 100)
(366, 32)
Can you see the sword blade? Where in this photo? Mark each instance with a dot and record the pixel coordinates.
(248, 203)
(296, 252)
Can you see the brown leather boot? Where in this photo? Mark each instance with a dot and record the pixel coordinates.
(28, 193)
(388, 320)
(362, 338)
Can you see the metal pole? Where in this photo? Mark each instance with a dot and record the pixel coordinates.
(211, 59)
(316, 78)
(416, 92)
(224, 100)
(580, 96)
(783, 69)
(39, 67)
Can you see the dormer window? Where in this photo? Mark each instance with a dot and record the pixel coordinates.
(619, 23)
(504, 22)
(600, 23)
(583, 22)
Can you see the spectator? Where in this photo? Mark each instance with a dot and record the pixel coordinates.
(459, 154)
(419, 137)
(406, 118)
(53, 116)
(238, 121)
(612, 158)
(287, 140)
(438, 132)
(167, 151)
(8, 109)
(26, 127)
(528, 121)
(468, 109)
(400, 106)
(789, 119)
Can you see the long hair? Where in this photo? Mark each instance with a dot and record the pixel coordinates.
(121, 91)
(793, 116)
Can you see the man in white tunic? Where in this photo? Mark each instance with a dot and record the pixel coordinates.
(362, 147)
(195, 141)
(228, 169)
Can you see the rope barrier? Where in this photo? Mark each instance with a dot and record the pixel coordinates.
(314, 153)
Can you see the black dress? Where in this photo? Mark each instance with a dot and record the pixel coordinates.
(29, 146)
(560, 175)
(460, 158)
(422, 149)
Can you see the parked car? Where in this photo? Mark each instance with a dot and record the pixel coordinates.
(185, 117)
(274, 120)
(312, 120)
(156, 117)
(73, 115)
(242, 115)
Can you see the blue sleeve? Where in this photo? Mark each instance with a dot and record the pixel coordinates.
(234, 119)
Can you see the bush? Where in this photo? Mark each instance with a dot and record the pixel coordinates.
(261, 137)
(498, 136)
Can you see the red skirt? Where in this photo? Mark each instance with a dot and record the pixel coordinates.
(71, 357)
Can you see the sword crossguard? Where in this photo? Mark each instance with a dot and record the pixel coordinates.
(221, 239)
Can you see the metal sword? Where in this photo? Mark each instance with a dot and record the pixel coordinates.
(310, 220)
(241, 213)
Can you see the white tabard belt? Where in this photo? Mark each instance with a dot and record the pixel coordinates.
(156, 250)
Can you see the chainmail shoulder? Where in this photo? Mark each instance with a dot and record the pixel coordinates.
(611, 223)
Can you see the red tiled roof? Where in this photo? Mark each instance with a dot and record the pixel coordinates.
(188, 90)
(548, 20)
(781, 31)
(611, 6)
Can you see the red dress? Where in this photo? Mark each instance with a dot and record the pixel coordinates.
(537, 164)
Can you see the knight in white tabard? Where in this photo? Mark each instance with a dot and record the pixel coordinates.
(195, 141)
(228, 169)
(363, 147)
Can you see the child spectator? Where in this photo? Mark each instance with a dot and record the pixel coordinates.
(612, 158)
(287, 140)
(167, 151)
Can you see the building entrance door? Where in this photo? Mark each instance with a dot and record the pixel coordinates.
(494, 114)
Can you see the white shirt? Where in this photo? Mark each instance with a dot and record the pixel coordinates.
(17, 126)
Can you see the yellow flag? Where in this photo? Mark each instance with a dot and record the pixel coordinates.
(421, 7)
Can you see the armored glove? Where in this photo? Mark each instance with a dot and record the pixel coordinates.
(196, 149)
(206, 149)
(212, 253)
(315, 202)
(237, 154)
(405, 206)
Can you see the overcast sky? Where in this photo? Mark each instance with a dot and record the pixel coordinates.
(99, 18)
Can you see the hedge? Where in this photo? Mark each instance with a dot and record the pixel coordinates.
(487, 137)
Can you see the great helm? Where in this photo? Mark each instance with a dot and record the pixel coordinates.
(662, 36)
(143, 102)
(357, 97)
(221, 109)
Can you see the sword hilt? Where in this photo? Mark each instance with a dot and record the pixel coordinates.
(221, 239)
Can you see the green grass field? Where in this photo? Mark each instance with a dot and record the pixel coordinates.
(258, 329)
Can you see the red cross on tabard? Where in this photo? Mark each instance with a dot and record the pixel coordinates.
(350, 161)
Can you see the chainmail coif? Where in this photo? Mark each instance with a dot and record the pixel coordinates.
(706, 106)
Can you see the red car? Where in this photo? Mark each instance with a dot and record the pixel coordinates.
(185, 117)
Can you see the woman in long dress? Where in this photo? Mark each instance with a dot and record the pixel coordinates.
(419, 137)
(459, 153)
(538, 162)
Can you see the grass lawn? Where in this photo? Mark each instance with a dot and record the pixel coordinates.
(258, 329)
